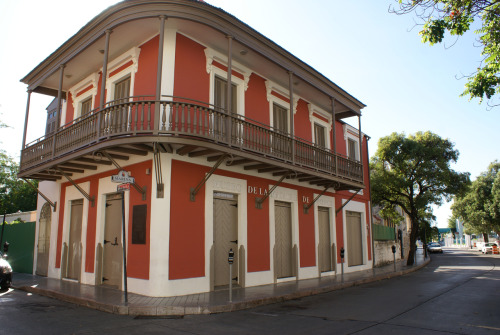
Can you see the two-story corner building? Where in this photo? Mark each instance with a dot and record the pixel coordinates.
(232, 143)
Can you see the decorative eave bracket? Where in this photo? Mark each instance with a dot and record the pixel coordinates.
(53, 204)
(195, 190)
(260, 201)
(160, 187)
(85, 194)
(141, 190)
(345, 203)
(307, 206)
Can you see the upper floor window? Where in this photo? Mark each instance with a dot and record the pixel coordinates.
(220, 95)
(352, 149)
(122, 90)
(319, 136)
(280, 119)
(86, 106)
(240, 75)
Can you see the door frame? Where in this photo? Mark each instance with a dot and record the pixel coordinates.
(356, 206)
(328, 202)
(46, 208)
(101, 263)
(72, 193)
(236, 270)
(238, 187)
(106, 187)
(291, 196)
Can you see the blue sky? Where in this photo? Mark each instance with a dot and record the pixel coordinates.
(374, 55)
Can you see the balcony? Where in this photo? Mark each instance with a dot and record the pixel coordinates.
(185, 127)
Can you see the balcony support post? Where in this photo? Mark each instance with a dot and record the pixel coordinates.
(159, 70)
(334, 137)
(360, 147)
(103, 82)
(25, 125)
(229, 88)
(59, 95)
(59, 98)
(292, 133)
(52, 204)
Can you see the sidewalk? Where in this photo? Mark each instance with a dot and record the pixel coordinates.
(112, 300)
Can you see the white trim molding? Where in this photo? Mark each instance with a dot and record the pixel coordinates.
(91, 80)
(130, 55)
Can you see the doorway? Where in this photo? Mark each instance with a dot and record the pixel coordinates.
(74, 260)
(354, 239)
(112, 246)
(225, 237)
(43, 247)
(283, 239)
(325, 243)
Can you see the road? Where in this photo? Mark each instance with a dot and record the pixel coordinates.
(457, 293)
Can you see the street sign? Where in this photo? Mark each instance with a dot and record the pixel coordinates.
(122, 177)
(123, 187)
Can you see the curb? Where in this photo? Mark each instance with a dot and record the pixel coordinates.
(203, 310)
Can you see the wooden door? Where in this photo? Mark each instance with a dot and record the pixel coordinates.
(112, 245)
(325, 249)
(354, 239)
(74, 260)
(283, 239)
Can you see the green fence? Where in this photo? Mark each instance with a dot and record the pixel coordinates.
(383, 233)
(21, 238)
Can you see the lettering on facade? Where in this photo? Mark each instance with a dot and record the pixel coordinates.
(257, 190)
(305, 200)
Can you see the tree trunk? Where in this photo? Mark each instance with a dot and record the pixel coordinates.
(485, 237)
(413, 240)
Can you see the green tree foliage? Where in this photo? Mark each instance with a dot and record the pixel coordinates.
(15, 194)
(456, 17)
(479, 207)
(452, 222)
(413, 173)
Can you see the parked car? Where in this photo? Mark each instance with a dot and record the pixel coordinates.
(434, 247)
(5, 268)
(488, 247)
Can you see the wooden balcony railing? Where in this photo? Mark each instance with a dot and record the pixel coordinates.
(189, 119)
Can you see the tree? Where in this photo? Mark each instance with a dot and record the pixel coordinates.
(479, 207)
(452, 222)
(456, 17)
(15, 195)
(413, 173)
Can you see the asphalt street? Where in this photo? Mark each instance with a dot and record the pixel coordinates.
(457, 293)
